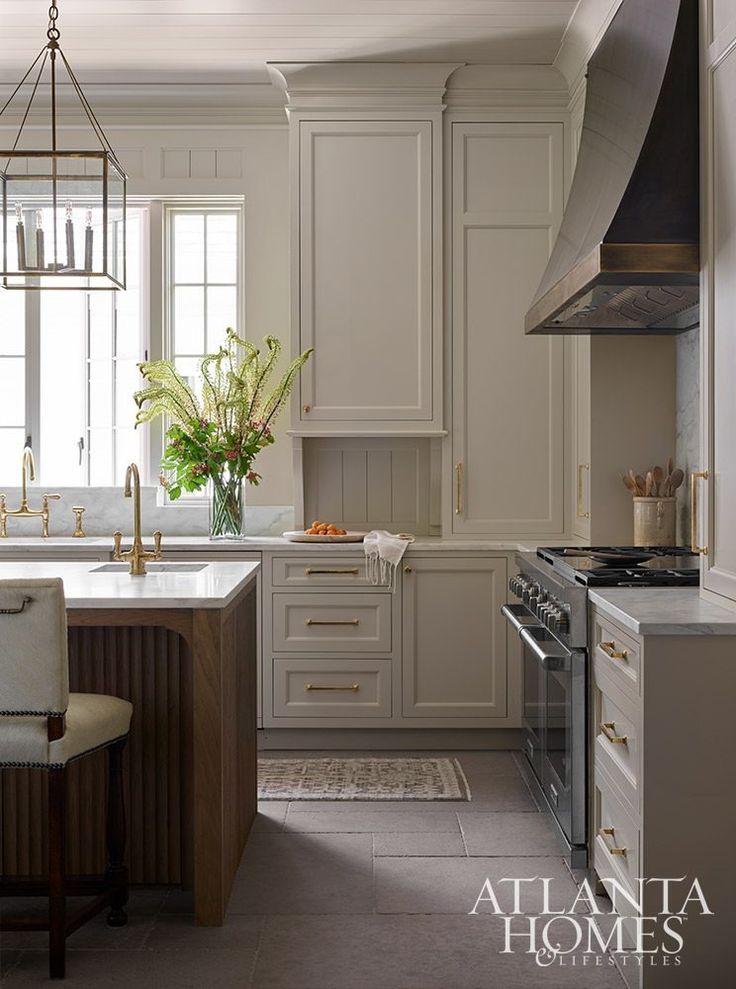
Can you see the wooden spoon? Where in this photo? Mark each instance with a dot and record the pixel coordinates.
(658, 475)
(631, 485)
(670, 466)
(676, 478)
(649, 485)
(642, 484)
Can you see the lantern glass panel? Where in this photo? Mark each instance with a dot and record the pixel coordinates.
(62, 220)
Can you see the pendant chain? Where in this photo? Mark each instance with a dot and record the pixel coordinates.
(53, 33)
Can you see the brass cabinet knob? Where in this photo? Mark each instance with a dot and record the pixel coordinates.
(408, 570)
(307, 408)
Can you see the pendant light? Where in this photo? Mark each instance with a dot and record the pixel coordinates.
(63, 211)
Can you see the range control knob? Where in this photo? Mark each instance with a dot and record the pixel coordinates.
(562, 621)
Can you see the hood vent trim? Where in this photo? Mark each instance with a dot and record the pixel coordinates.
(626, 258)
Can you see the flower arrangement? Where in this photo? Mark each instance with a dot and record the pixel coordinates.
(216, 437)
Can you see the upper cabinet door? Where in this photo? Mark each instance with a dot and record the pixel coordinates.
(369, 229)
(507, 388)
(717, 493)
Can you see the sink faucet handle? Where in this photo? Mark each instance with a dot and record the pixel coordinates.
(50, 497)
(157, 545)
(118, 543)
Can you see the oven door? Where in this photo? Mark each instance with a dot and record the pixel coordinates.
(532, 686)
(561, 685)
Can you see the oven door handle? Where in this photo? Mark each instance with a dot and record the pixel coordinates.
(558, 660)
(519, 616)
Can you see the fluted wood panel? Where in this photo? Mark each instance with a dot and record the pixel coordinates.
(148, 666)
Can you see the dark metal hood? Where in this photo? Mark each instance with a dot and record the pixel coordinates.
(626, 257)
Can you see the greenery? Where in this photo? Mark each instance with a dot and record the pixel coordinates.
(217, 435)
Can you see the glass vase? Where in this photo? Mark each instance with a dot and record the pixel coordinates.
(227, 506)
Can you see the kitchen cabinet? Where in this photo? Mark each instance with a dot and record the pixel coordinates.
(369, 263)
(623, 416)
(716, 491)
(507, 442)
(454, 662)
(654, 812)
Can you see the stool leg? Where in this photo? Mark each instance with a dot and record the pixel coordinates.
(117, 872)
(57, 870)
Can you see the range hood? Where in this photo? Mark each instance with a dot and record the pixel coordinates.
(626, 258)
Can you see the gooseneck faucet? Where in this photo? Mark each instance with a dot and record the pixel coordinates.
(136, 555)
(27, 469)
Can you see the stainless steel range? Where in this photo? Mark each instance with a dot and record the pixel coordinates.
(550, 615)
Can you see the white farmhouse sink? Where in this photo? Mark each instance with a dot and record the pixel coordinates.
(152, 568)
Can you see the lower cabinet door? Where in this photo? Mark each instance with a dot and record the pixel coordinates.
(331, 688)
(454, 638)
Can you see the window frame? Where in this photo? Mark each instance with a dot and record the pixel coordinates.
(171, 207)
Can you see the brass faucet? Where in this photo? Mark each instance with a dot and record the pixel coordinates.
(137, 555)
(24, 512)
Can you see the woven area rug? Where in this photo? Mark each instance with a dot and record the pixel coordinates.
(361, 779)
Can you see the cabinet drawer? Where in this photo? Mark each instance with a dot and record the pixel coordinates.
(616, 836)
(616, 730)
(332, 623)
(321, 571)
(619, 653)
(331, 688)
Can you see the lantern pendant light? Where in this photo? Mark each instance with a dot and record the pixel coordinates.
(63, 211)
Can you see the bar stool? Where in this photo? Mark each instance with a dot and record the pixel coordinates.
(44, 727)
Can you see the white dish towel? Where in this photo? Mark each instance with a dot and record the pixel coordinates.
(383, 553)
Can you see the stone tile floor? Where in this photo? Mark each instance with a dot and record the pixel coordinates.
(347, 895)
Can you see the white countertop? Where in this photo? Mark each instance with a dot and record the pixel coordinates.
(664, 610)
(213, 587)
(68, 545)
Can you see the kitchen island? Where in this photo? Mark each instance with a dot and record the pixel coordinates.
(180, 644)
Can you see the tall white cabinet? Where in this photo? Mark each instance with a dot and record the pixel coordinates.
(507, 389)
(716, 491)
(366, 164)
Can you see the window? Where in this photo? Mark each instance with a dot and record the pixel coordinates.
(68, 360)
(203, 286)
(68, 371)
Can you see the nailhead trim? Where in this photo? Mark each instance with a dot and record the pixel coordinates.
(60, 765)
(34, 714)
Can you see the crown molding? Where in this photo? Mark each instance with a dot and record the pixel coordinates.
(335, 86)
(506, 86)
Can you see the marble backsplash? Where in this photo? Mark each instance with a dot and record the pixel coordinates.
(688, 423)
(107, 510)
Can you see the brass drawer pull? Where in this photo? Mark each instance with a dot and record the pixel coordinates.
(609, 730)
(324, 570)
(337, 621)
(353, 687)
(694, 548)
(611, 849)
(609, 648)
(579, 511)
(458, 489)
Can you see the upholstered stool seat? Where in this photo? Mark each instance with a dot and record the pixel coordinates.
(45, 727)
(93, 721)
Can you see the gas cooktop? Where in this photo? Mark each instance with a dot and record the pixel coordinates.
(624, 566)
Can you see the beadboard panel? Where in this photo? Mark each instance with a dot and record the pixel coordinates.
(368, 483)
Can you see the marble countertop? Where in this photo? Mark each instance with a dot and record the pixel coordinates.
(67, 544)
(215, 586)
(664, 611)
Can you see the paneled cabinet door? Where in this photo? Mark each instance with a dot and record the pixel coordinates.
(718, 491)
(369, 274)
(507, 388)
(454, 639)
